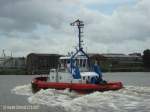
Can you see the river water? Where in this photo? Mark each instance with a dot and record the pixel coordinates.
(16, 96)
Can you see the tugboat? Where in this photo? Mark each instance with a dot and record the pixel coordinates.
(76, 72)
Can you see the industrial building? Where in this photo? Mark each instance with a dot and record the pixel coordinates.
(36, 63)
(41, 63)
(119, 62)
(12, 63)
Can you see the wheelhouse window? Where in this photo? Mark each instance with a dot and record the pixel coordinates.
(52, 77)
(60, 77)
(83, 78)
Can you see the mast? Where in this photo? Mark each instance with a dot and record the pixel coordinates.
(80, 26)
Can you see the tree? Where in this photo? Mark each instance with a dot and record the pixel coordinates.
(146, 58)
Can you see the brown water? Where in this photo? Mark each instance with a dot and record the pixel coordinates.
(135, 97)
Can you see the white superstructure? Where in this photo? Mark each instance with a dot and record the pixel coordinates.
(63, 73)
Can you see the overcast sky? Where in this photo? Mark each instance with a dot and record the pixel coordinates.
(43, 26)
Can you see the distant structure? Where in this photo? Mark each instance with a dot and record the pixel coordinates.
(9, 62)
(135, 54)
(41, 63)
(3, 58)
(119, 62)
(15, 63)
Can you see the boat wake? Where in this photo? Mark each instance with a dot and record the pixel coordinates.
(22, 90)
(131, 98)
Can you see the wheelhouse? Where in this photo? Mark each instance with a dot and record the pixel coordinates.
(81, 62)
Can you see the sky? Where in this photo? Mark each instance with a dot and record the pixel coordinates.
(43, 26)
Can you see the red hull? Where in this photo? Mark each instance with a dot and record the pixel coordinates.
(41, 83)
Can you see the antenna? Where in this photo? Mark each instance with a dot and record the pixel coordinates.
(80, 26)
(3, 54)
(11, 54)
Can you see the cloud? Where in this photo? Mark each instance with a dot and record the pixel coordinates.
(26, 14)
(43, 26)
(127, 24)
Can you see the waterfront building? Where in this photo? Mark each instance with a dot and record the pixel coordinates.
(41, 63)
(12, 62)
(119, 62)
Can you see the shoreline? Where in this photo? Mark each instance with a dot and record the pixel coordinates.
(24, 72)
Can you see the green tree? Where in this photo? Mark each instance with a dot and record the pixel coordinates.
(146, 58)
